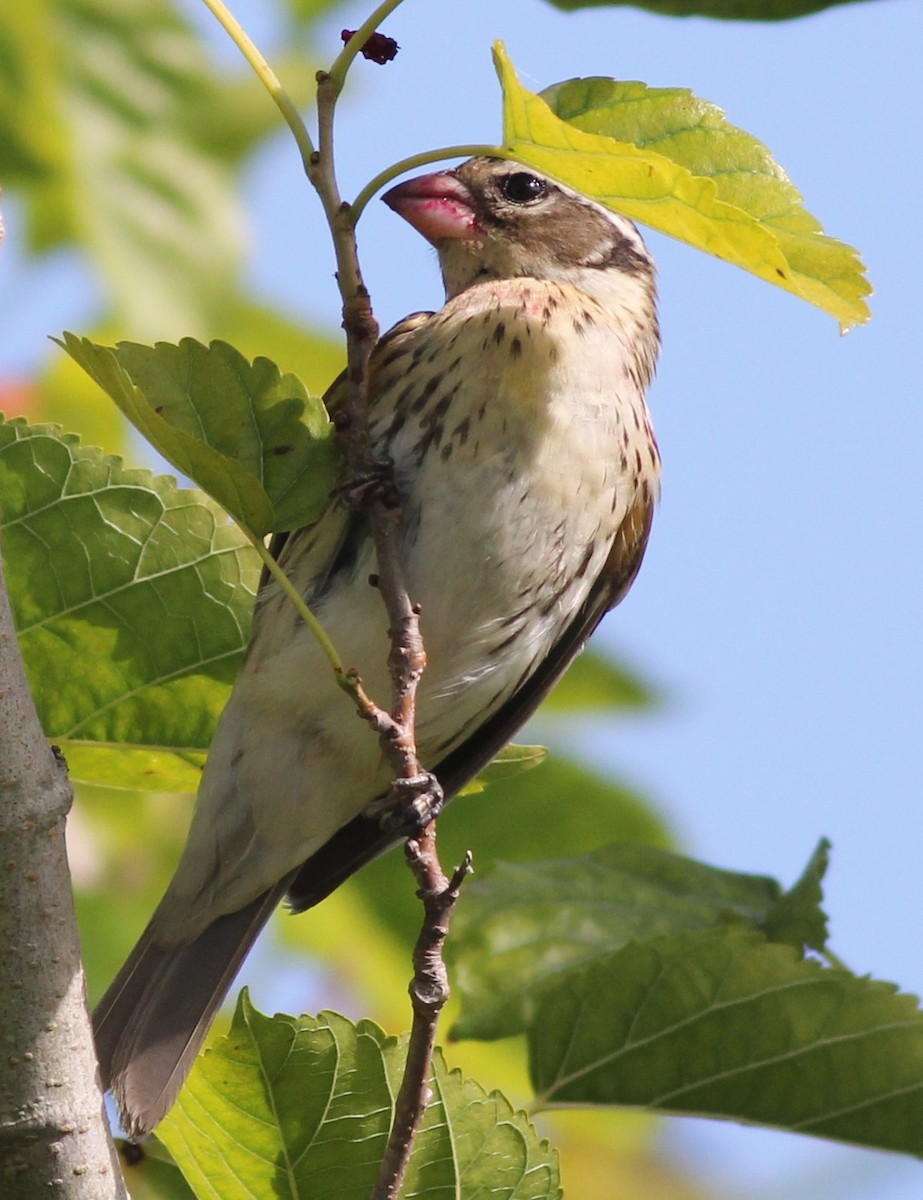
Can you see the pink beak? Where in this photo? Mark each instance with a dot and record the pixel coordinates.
(439, 206)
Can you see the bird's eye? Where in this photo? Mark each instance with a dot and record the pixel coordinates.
(522, 188)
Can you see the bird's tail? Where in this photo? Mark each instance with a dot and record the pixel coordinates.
(154, 1017)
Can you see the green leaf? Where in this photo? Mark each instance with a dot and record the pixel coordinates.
(729, 10)
(524, 928)
(131, 597)
(29, 142)
(559, 808)
(248, 435)
(111, 114)
(594, 682)
(134, 768)
(511, 761)
(316, 358)
(664, 157)
(797, 917)
(302, 1106)
(724, 1024)
(71, 398)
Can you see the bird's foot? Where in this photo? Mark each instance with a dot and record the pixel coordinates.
(374, 482)
(409, 806)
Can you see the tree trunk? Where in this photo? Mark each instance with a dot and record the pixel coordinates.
(54, 1138)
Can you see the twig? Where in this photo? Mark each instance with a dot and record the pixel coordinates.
(429, 990)
(414, 793)
(413, 790)
(266, 75)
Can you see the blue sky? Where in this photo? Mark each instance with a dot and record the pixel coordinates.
(780, 605)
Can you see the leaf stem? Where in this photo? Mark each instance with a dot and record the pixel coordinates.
(275, 570)
(348, 679)
(267, 76)
(408, 164)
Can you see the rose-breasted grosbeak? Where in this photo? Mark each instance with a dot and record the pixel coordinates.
(527, 473)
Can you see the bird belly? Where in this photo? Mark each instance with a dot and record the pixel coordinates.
(515, 471)
(517, 494)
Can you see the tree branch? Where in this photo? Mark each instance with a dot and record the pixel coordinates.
(414, 789)
(415, 795)
(429, 991)
(53, 1131)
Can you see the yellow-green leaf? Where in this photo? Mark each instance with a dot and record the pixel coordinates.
(512, 760)
(134, 768)
(663, 157)
(301, 1107)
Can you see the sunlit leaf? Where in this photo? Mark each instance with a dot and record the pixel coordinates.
(664, 157)
(512, 760)
(302, 1106)
(134, 768)
(30, 141)
(69, 397)
(594, 683)
(131, 596)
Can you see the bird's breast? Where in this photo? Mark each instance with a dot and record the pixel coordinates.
(520, 439)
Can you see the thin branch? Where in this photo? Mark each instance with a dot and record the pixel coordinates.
(429, 991)
(414, 792)
(413, 786)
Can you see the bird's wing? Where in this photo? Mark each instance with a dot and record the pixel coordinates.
(151, 1022)
(334, 402)
(362, 839)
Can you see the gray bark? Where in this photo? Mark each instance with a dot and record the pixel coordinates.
(54, 1138)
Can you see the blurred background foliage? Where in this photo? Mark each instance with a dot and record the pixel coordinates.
(122, 141)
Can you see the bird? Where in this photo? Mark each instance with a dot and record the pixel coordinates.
(521, 450)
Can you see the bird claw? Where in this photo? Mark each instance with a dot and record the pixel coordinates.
(376, 482)
(409, 806)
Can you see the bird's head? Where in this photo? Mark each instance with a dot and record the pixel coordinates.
(495, 219)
